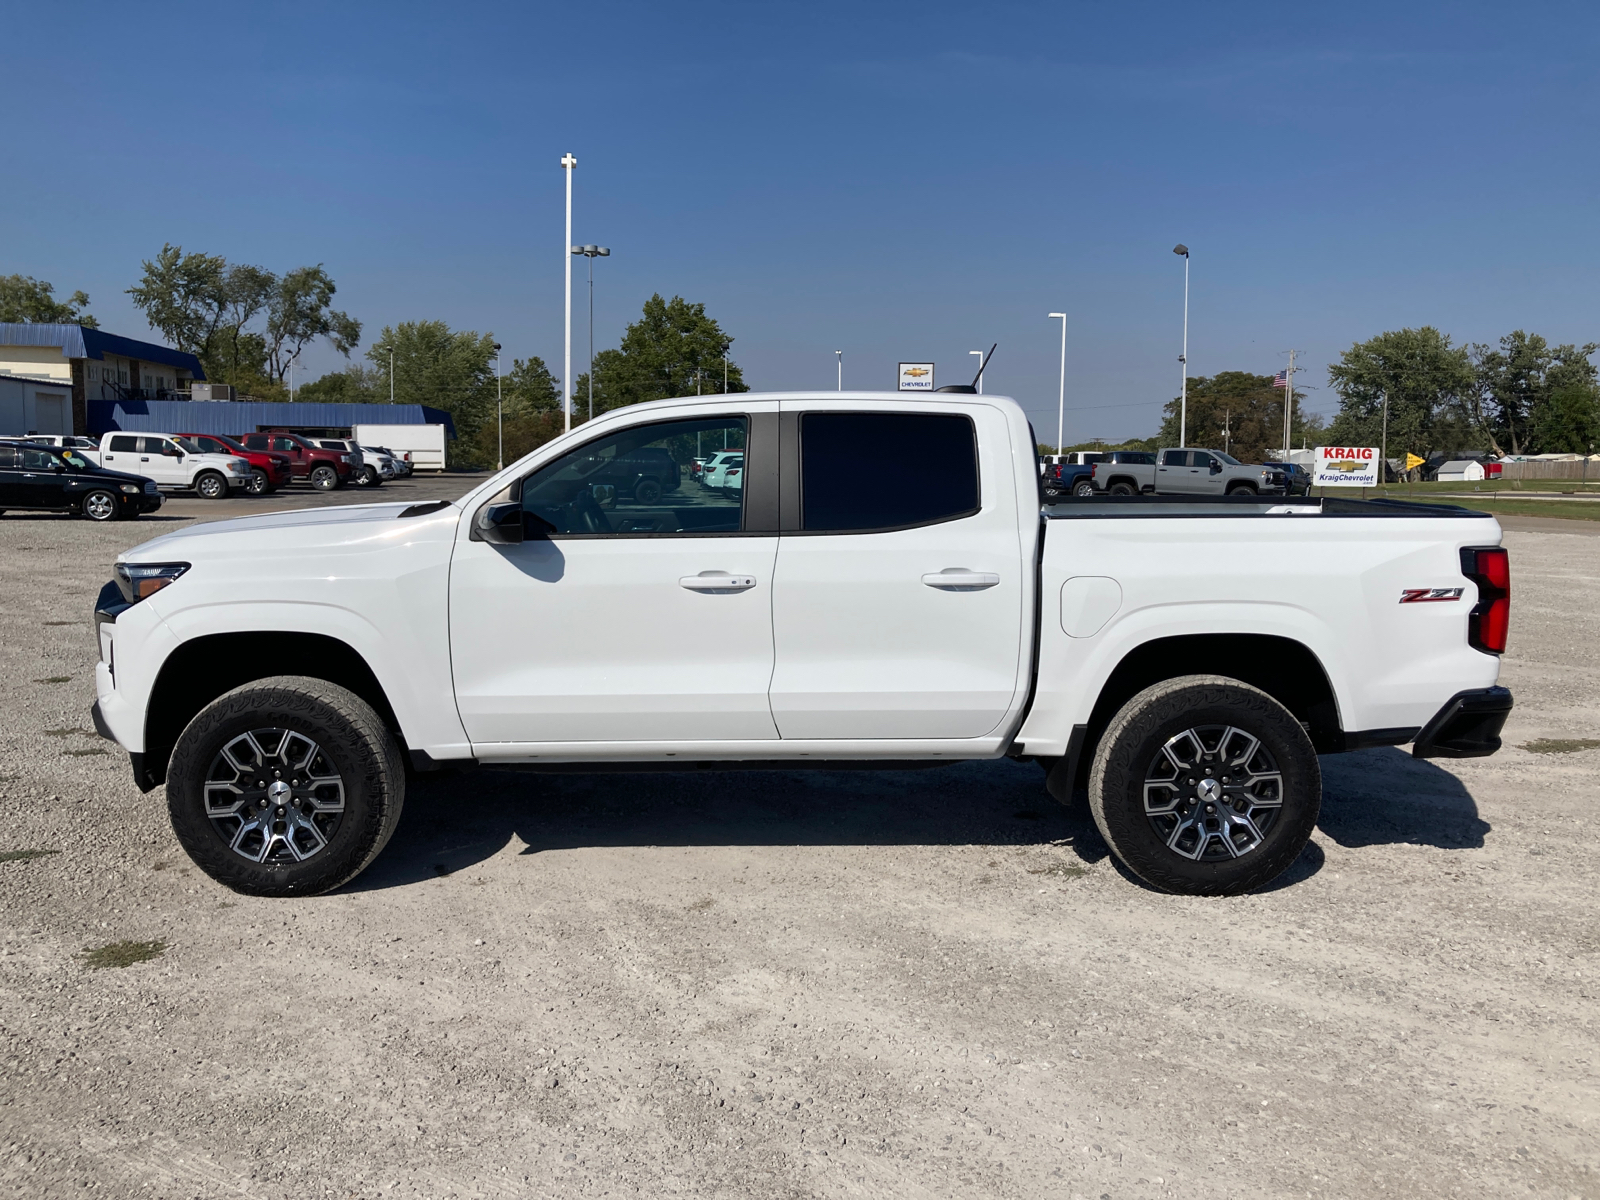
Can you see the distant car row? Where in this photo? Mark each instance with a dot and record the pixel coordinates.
(125, 474)
(1170, 472)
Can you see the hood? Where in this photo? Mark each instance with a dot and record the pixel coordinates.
(308, 527)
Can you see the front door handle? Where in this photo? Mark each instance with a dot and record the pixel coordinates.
(717, 582)
(959, 579)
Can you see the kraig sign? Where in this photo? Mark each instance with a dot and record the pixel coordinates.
(1346, 466)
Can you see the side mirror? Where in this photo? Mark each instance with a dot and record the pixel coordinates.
(501, 525)
(172, 452)
(605, 494)
(1216, 468)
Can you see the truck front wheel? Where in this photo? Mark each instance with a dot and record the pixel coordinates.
(1205, 786)
(288, 786)
(324, 478)
(1241, 489)
(211, 486)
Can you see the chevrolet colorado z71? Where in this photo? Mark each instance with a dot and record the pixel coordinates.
(1185, 661)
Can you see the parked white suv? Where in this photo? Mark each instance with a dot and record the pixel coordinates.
(172, 465)
(718, 469)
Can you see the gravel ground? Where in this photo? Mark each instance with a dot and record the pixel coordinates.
(877, 984)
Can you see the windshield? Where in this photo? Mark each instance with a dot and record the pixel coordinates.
(1227, 458)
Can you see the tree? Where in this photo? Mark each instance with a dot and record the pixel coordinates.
(1428, 383)
(1517, 382)
(1248, 407)
(434, 365)
(298, 312)
(674, 349)
(355, 384)
(532, 414)
(206, 307)
(29, 301)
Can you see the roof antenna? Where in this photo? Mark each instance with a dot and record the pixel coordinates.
(983, 364)
(969, 389)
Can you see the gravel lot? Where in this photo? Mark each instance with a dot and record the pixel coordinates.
(878, 984)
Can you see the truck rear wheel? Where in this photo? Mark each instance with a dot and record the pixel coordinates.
(1205, 786)
(1123, 488)
(1083, 488)
(287, 786)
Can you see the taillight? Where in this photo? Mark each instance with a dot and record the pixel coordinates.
(1490, 619)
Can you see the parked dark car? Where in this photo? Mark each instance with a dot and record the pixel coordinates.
(53, 479)
(641, 475)
(1297, 480)
(268, 471)
(324, 470)
(1067, 479)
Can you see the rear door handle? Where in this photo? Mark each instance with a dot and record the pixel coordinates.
(959, 579)
(717, 581)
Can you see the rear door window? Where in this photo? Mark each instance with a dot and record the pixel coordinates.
(1175, 458)
(124, 444)
(877, 471)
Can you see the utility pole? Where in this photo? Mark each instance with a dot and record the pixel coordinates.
(1288, 406)
(1183, 410)
(391, 376)
(568, 164)
(1227, 428)
(1061, 409)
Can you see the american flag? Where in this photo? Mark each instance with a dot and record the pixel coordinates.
(1281, 379)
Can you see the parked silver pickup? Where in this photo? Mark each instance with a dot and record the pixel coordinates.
(1185, 472)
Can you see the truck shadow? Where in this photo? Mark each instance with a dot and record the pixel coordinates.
(454, 820)
(1384, 796)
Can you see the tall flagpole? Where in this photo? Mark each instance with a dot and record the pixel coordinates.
(568, 163)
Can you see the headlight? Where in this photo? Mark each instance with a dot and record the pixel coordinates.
(237, 467)
(139, 580)
(345, 458)
(133, 489)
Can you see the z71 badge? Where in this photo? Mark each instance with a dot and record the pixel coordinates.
(1429, 595)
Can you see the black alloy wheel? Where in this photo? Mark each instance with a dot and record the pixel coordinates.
(285, 786)
(259, 484)
(1205, 786)
(211, 486)
(100, 505)
(324, 478)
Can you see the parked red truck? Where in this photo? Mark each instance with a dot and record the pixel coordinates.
(269, 471)
(324, 470)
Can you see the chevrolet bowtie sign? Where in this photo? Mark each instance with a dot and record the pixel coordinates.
(916, 377)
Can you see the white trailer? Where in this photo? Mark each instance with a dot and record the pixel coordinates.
(420, 445)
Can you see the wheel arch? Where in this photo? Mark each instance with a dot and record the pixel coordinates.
(1287, 670)
(203, 668)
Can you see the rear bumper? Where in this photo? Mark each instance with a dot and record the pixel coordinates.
(1467, 727)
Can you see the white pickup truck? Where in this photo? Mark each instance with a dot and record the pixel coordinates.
(174, 464)
(1184, 661)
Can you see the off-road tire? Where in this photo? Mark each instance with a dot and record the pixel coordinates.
(1134, 739)
(647, 491)
(1123, 488)
(1083, 488)
(259, 484)
(100, 506)
(211, 485)
(355, 741)
(324, 478)
(1241, 489)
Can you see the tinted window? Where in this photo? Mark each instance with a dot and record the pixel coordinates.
(127, 445)
(152, 445)
(37, 460)
(284, 443)
(1175, 458)
(862, 471)
(1203, 461)
(637, 482)
(8, 456)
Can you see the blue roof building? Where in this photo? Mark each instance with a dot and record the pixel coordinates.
(94, 365)
(232, 418)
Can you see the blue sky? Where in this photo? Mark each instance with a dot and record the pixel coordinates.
(896, 181)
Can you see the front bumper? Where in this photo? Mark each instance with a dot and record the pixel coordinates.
(1468, 726)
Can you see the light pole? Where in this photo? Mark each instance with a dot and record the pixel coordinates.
(591, 253)
(499, 412)
(391, 376)
(568, 164)
(1183, 410)
(1061, 411)
(979, 353)
(726, 346)
(839, 354)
